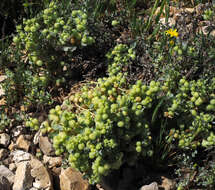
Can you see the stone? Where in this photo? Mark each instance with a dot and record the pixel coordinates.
(16, 131)
(19, 156)
(52, 161)
(71, 179)
(12, 146)
(45, 146)
(36, 137)
(189, 10)
(23, 179)
(171, 22)
(33, 188)
(167, 184)
(151, 186)
(4, 139)
(2, 78)
(56, 170)
(12, 167)
(22, 143)
(3, 154)
(4, 183)
(4, 171)
(42, 177)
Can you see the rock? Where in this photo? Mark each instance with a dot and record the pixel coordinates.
(189, 10)
(23, 179)
(12, 167)
(33, 188)
(6, 162)
(167, 184)
(42, 177)
(4, 171)
(71, 179)
(3, 154)
(171, 22)
(4, 183)
(46, 146)
(12, 146)
(56, 170)
(52, 161)
(36, 137)
(19, 156)
(4, 139)
(152, 186)
(2, 93)
(16, 131)
(22, 143)
(2, 78)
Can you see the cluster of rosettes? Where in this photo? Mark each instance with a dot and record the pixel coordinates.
(193, 106)
(56, 28)
(120, 57)
(104, 125)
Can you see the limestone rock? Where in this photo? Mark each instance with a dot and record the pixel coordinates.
(33, 188)
(22, 143)
(52, 161)
(23, 179)
(3, 153)
(46, 146)
(167, 184)
(4, 183)
(36, 137)
(12, 167)
(71, 179)
(12, 146)
(152, 186)
(4, 139)
(4, 171)
(19, 156)
(42, 177)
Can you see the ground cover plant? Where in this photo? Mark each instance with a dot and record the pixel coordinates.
(147, 92)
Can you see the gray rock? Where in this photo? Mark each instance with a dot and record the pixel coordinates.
(151, 186)
(4, 139)
(4, 171)
(19, 156)
(52, 161)
(33, 188)
(22, 143)
(41, 175)
(23, 179)
(3, 153)
(4, 183)
(36, 137)
(46, 146)
(71, 179)
(12, 167)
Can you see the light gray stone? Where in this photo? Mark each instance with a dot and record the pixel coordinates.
(4, 139)
(41, 175)
(23, 179)
(12, 167)
(46, 146)
(33, 188)
(4, 171)
(4, 183)
(19, 156)
(151, 186)
(52, 161)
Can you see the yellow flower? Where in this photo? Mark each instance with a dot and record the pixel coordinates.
(172, 33)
